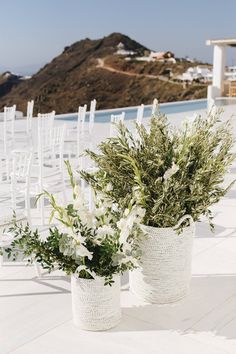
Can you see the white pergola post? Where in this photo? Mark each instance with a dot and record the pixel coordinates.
(219, 56)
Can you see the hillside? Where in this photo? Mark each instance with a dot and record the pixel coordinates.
(7, 82)
(88, 69)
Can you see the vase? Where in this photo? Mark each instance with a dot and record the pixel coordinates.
(95, 306)
(165, 266)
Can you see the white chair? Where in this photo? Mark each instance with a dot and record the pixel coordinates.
(155, 106)
(7, 141)
(46, 120)
(4, 167)
(8, 131)
(29, 116)
(48, 167)
(81, 120)
(24, 136)
(140, 112)
(92, 115)
(20, 180)
(116, 119)
(18, 189)
(81, 139)
(75, 136)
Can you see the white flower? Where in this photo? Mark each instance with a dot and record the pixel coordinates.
(86, 217)
(81, 206)
(105, 230)
(82, 251)
(115, 207)
(80, 200)
(127, 247)
(171, 171)
(126, 212)
(76, 236)
(109, 187)
(99, 211)
(131, 259)
(126, 224)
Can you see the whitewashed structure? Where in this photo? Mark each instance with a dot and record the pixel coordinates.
(219, 60)
(196, 73)
(122, 51)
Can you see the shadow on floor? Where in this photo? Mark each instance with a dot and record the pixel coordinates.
(209, 307)
(203, 231)
(46, 281)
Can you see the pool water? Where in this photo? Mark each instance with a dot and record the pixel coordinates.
(131, 112)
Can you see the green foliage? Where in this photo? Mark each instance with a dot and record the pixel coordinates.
(170, 172)
(50, 254)
(88, 243)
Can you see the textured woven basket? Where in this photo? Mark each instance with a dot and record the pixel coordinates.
(95, 307)
(165, 266)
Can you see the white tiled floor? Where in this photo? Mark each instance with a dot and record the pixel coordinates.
(35, 314)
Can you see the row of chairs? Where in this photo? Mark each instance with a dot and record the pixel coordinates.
(47, 144)
(30, 171)
(31, 160)
(10, 134)
(48, 139)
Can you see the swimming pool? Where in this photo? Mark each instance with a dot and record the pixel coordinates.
(104, 116)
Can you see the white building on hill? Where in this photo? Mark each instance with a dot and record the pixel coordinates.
(197, 73)
(122, 51)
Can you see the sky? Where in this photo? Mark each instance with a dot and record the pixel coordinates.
(33, 32)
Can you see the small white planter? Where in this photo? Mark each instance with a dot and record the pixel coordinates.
(95, 306)
(165, 266)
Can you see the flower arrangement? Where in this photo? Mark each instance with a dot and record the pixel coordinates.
(171, 172)
(89, 243)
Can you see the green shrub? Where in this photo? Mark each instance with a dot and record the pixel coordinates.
(170, 172)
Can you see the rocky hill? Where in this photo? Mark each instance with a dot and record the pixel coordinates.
(88, 69)
(8, 80)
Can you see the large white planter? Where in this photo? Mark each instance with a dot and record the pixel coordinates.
(95, 306)
(165, 266)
